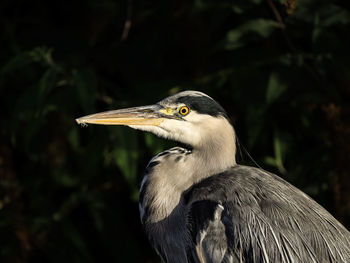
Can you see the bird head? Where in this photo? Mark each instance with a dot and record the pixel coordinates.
(189, 117)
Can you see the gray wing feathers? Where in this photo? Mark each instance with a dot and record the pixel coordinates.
(211, 241)
(265, 219)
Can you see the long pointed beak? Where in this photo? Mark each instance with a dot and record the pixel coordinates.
(145, 115)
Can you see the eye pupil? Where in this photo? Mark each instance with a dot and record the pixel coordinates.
(184, 110)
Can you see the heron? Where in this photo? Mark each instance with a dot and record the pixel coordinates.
(198, 205)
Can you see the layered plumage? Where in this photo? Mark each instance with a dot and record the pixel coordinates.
(198, 205)
(243, 214)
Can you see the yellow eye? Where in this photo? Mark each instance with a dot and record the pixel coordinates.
(184, 110)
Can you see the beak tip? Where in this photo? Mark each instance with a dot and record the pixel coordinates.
(81, 122)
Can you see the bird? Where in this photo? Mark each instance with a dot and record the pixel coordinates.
(197, 205)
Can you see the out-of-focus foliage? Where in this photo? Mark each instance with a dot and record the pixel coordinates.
(281, 68)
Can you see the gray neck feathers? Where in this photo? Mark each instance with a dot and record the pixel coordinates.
(217, 152)
(176, 171)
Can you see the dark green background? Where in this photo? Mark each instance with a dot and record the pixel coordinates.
(280, 68)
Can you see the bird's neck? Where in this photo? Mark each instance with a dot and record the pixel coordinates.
(176, 171)
(218, 151)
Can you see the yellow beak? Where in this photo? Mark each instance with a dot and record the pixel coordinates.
(146, 115)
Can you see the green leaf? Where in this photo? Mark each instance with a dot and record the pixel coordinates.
(335, 16)
(317, 28)
(275, 88)
(95, 212)
(126, 155)
(256, 27)
(255, 122)
(154, 143)
(270, 161)
(73, 138)
(280, 150)
(23, 59)
(17, 62)
(78, 242)
(45, 85)
(66, 180)
(86, 84)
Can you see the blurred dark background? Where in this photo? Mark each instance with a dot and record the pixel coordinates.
(281, 69)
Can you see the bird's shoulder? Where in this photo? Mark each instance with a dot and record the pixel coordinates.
(263, 218)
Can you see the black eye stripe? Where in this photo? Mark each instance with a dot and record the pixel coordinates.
(202, 105)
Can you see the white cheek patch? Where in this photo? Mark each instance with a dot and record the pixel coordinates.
(182, 131)
(153, 129)
(193, 130)
(197, 118)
